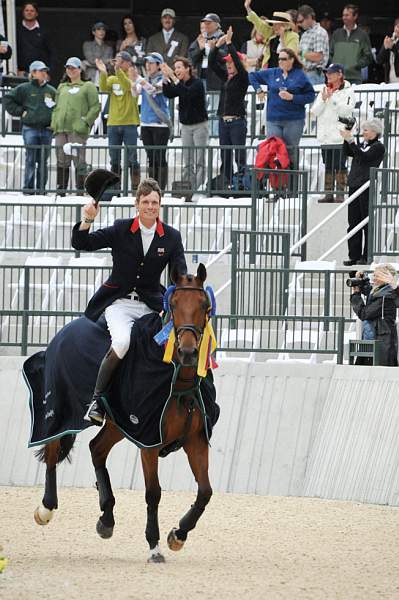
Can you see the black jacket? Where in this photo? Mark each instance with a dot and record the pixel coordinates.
(131, 270)
(365, 156)
(383, 58)
(7, 54)
(33, 44)
(192, 103)
(196, 55)
(381, 311)
(234, 90)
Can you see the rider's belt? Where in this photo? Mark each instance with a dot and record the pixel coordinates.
(132, 297)
(229, 119)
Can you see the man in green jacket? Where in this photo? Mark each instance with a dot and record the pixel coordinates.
(34, 102)
(123, 117)
(350, 46)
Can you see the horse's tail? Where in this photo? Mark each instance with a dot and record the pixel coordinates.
(65, 445)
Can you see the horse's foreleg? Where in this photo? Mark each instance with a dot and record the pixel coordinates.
(100, 447)
(197, 452)
(149, 460)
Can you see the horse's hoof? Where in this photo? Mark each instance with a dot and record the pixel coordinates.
(43, 515)
(104, 531)
(173, 541)
(155, 556)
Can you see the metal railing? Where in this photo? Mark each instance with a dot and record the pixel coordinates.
(383, 228)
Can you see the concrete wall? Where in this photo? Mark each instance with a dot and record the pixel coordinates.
(285, 429)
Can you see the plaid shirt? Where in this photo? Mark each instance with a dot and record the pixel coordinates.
(314, 39)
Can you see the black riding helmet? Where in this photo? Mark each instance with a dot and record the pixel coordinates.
(98, 181)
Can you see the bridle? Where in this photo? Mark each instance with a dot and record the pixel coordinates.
(196, 331)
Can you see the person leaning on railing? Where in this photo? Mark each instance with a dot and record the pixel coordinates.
(77, 107)
(289, 90)
(366, 154)
(378, 313)
(33, 102)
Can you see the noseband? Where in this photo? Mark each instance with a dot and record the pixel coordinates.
(196, 331)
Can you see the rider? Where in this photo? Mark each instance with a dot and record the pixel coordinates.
(141, 250)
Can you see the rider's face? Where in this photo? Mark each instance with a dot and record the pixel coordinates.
(148, 208)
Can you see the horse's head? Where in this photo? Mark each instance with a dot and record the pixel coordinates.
(189, 305)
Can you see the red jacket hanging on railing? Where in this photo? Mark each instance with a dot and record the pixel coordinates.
(272, 154)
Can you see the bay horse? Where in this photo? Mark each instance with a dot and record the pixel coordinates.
(189, 306)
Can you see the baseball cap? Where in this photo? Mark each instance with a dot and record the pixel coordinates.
(229, 58)
(154, 57)
(38, 65)
(99, 25)
(335, 68)
(168, 12)
(125, 56)
(74, 61)
(211, 17)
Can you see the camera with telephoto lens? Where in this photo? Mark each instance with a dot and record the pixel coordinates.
(349, 122)
(360, 282)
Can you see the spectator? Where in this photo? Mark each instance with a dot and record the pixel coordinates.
(96, 49)
(5, 53)
(169, 42)
(198, 53)
(277, 33)
(313, 46)
(294, 16)
(77, 107)
(131, 41)
(123, 117)
(156, 125)
(254, 49)
(327, 23)
(365, 155)
(336, 100)
(32, 41)
(289, 90)
(193, 117)
(389, 55)
(34, 102)
(231, 110)
(378, 313)
(350, 45)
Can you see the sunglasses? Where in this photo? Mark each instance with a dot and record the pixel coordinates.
(284, 58)
(299, 21)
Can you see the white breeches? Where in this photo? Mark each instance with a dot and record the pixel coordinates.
(120, 317)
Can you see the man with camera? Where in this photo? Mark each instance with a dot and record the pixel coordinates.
(378, 313)
(365, 155)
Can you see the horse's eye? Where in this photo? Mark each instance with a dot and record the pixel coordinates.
(205, 305)
(172, 305)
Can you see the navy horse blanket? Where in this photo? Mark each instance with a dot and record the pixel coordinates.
(61, 381)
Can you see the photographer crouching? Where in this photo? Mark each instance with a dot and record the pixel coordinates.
(365, 155)
(378, 313)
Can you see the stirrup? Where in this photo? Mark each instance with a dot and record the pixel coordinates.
(94, 414)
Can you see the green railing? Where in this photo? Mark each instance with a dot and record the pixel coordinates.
(383, 230)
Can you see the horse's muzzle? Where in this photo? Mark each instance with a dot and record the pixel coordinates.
(188, 357)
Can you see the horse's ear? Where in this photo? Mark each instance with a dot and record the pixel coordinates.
(201, 272)
(174, 273)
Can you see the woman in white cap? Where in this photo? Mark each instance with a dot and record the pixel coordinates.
(77, 107)
(277, 33)
(156, 125)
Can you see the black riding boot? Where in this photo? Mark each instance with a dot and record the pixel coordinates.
(95, 414)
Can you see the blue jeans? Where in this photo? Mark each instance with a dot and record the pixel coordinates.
(233, 133)
(117, 136)
(315, 77)
(34, 164)
(290, 132)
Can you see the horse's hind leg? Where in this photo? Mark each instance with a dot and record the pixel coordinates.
(100, 447)
(53, 453)
(197, 452)
(149, 460)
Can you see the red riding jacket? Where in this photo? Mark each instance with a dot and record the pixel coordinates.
(272, 154)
